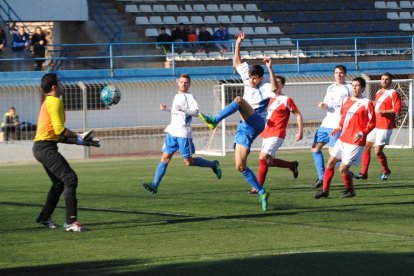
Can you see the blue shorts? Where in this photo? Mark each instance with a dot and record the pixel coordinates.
(249, 130)
(323, 135)
(184, 145)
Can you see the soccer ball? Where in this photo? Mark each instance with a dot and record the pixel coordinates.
(110, 95)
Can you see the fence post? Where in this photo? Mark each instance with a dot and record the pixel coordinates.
(356, 53)
(111, 61)
(82, 86)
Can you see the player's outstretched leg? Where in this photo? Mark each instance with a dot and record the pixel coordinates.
(150, 187)
(217, 169)
(214, 165)
(209, 120)
(212, 121)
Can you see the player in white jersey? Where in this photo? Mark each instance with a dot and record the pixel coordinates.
(252, 109)
(331, 103)
(179, 135)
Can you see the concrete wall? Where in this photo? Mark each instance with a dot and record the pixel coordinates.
(49, 10)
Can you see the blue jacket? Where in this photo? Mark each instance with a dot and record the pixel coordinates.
(221, 35)
(20, 42)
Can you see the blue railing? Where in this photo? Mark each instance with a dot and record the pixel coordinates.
(10, 14)
(105, 22)
(112, 56)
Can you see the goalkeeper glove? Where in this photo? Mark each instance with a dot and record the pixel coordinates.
(88, 135)
(94, 142)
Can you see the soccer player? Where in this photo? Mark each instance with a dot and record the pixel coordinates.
(387, 104)
(278, 113)
(252, 109)
(332, 102)
(179, 135)
(50, 131)
(357, 120)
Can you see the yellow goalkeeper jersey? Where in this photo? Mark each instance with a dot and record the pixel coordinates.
(51, 121)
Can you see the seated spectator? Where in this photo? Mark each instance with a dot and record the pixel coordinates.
(11, 124)
(179, 35)
(39, 47)
(222, 36)
(192, 37)
(204, 35)
(3, 41)
(165, 40)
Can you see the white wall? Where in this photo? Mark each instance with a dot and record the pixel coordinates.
(50, 10)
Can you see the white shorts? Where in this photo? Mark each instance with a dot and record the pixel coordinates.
(271, 144)
(380, 136)
(349, 154)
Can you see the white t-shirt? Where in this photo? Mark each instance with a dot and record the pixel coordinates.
(180, 121)
(257, 97)
(334, 96)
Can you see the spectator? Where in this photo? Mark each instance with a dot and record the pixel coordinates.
(204, 35)
(164, 40)
(222, 36)
(20, 47)
(39, 47)
(192, 37)
(11, 124)
(179, 35)
(3, 41)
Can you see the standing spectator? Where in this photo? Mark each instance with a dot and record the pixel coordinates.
(165, 40)
(387, 105)
(204, 35)
(222, 36)
(3, 41)
(20, 47)
(331, 103)
(51, 130)
(180, 136)
(278, 113)
(192, 37)
(252, 109)
(39, 47)
(357, 120)
(179, 35)
(11, 124)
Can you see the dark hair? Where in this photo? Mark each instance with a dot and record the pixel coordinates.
(48, 81)
(256, 70)
(185, 76)
(282, 79)
(12, 107)
(341, 67)
(361, 81)
(388, 75)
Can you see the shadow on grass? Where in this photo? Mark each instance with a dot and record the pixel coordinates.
(319, 263)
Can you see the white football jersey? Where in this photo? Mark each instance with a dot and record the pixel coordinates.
(258, 97)
(180, 121)
(334, 96)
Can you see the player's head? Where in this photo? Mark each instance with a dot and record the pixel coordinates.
(280, 83)
(256, 73)
(358, 86)
(50, 82)
(340, 74)
(184, 82)
(386, 80)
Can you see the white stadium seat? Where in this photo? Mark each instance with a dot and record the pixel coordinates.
(248, 30)
(156, 20)
(392, 5)
(270, 54)
(238, 8)
(131, 8)
(274, 30)
(210, 19)
(284, 54)
(151, 32)
(183, 19)
(145, 8)
(380, 5)
(260, 30)
(258, 42)
(212, 8)
(251, 19)
(187, 8)
(215, 56)
(405, 15)
(141, 20)
(272, 42)
(196, 19)
(256, 54)
(226, 8)
(170, 20)
(406, 27)
(225, 19)
(172, 8)
(285, 41)
(406, 5)
(393, 15)
(200, 56)
(233, 30)
(236, 19)
(199, 8)
(158, 8)
(251, 7)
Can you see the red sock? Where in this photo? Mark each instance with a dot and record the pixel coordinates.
(383, 161)
(262, 172)
(366, 159)
(327, 178)
(349, 185)
(281, 163)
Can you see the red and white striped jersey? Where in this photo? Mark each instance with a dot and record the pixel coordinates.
(386, 100)
(356, 116)
(278, 113)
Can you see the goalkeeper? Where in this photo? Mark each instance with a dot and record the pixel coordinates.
(252, 109)
(50, 131)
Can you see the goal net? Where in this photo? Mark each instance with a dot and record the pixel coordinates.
(306, 95)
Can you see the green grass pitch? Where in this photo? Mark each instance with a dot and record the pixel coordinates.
(198, 225)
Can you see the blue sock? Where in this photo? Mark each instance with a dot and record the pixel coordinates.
(159, 173)
(200, 162)
(319, 163)
(252, 180)
(227, 111)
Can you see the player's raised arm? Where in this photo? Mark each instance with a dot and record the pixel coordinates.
(299, 120)
(272, 77)
(237, 59)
